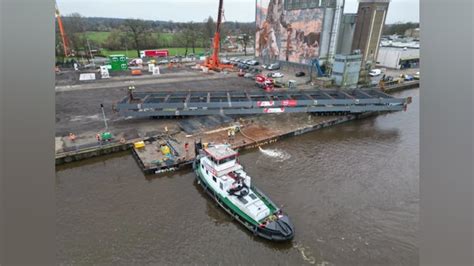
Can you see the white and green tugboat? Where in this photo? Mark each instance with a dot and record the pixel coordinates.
(224, 179)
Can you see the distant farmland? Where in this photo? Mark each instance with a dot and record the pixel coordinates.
(100, 37)
(131, 53)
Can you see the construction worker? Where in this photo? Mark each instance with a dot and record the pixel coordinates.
(382, 85)
(186, 148)
(130, 92)
(98, 138)
(232, 133)
(72, 137)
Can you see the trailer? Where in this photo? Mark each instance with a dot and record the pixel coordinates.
(154, 53)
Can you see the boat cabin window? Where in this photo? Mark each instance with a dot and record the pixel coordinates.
(222, 187)
(214, 178)
(207, 172)
(252, 196)
(228, 159)
(218, 162)
(213, 160)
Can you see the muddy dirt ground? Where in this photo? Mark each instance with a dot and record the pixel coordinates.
(79, 111)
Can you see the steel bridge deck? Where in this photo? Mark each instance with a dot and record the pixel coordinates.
(192, 103)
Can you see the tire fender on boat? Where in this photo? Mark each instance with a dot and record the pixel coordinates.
(254, 231)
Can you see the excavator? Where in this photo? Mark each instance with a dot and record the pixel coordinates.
(213, 62)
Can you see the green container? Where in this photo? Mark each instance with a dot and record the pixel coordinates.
(118, 62)
(106, 136)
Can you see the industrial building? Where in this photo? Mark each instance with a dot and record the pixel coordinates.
(346, 34)
(371, 15)
(398, 58)
(297, 31)
(346, 69)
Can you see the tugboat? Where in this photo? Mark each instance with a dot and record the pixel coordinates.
(224, 179)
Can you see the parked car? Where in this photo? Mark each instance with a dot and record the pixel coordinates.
(252, 62)
(275, 75)
(135, 62)
(249, 75)
(387, 78)
(375, 72)
(417, 75)
(264, 83)
(255, 70)
(408, 78)
(247, 62)
(243, 66)
(275, 66)
(300, 74)
(225, 61)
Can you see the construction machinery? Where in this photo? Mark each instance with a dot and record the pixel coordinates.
(315, 65)
(64, 39)
(213, 62)
(265, 83)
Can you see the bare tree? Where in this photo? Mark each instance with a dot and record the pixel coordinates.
(137, 30)
(75, 29)
(209, 30)
(246, 36)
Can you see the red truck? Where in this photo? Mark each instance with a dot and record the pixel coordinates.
(154, 53)
(263, 82)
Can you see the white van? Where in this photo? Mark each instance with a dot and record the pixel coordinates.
(375, 72)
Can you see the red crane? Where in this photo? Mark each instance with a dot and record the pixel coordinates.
(64, 38)
(213, 62)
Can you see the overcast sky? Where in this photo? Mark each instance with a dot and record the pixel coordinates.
(198, 10)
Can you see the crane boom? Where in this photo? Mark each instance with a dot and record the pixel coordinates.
(62, 32)
(217, 35)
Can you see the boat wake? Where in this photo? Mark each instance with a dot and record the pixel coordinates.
(307, 256)
(275, 153)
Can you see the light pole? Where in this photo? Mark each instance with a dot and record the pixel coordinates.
(90, 53)
(103, 115)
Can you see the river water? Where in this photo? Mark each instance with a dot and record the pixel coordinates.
(352, 192)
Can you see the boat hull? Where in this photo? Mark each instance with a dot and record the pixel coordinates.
(280, 230)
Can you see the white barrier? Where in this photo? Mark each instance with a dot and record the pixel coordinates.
(87, 76)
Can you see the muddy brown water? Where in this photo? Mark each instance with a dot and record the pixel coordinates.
(351, 191)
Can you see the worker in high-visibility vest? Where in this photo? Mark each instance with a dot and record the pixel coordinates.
(232, 133)
(382, 85)
(186, 148)
(72, 137)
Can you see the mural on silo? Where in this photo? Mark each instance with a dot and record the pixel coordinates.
(287, 35)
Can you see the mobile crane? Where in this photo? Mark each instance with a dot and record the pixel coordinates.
(213, 61)
(64, 39)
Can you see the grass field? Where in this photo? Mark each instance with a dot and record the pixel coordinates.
(101, 36)
(133, 53)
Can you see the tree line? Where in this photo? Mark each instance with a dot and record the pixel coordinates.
(399, 28)
(138, 34)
